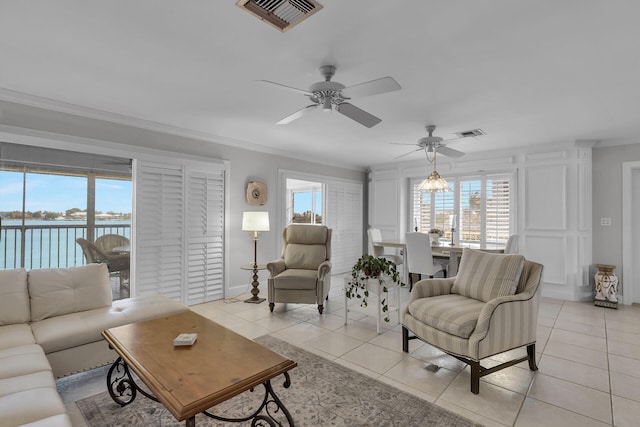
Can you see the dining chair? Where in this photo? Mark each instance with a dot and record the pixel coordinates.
(512, 244)
(375, 236)
(419, 257)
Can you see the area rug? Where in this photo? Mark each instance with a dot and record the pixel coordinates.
(322, 393)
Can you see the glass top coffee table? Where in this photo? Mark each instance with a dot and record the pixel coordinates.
(189, 380)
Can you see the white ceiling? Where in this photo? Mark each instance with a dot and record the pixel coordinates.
(534, 72)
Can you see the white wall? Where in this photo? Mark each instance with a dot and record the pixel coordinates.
(608, 203)
(38, 126)
(553, 206)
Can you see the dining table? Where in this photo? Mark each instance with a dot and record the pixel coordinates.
(441, 251)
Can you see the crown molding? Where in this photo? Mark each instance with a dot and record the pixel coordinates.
(23, 98)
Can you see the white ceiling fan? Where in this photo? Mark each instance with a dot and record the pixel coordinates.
(328, 95)
(432, 144)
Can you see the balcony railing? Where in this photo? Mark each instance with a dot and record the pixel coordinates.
(49, 246)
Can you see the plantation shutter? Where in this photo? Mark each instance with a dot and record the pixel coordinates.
(179, 231)
(159, 231)
(421, 208)
(443, 208)
(471, 215)
(344, 217)
(205, 232)
(498, 208)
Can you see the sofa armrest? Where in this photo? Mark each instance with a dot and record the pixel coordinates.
(276, 267)
(324, 269)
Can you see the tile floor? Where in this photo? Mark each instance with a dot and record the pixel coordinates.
(589, 360)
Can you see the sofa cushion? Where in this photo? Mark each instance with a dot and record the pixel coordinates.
(21, 408)
(58, 291)
(485, 276)
(84, 327)
(453, 314)
(26, 382)
(23, 360)
(15, 335)
(14, 297)
(61, 420)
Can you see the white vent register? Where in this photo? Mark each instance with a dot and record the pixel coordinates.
(281, 14)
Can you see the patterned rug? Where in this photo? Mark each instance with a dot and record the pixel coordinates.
(322, 393)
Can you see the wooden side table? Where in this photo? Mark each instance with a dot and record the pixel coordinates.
(255, 283)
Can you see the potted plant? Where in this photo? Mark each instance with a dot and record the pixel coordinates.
(368, 268)
(435, 234)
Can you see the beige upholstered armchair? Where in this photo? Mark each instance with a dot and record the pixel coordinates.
(303, 273)
(490, 307)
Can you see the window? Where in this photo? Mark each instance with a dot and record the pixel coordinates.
(305, 202)
(49, 198)
(479, 212)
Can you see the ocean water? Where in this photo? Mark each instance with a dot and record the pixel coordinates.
(50, 243)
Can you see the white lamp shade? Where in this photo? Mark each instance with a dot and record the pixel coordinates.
(255, 221)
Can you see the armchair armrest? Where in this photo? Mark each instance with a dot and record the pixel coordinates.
(429, 288)
(276, 267)
(324, 269)
(511, 319)
(432, 287)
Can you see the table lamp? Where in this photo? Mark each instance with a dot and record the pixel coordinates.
(254, 223)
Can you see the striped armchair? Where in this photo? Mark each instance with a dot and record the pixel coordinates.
(490, 307)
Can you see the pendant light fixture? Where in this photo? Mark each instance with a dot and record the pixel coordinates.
(434, 183)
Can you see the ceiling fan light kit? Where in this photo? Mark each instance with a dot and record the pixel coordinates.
(434, 183)
(328, 96)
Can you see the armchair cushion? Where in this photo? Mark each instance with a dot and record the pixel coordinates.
(295, 278)
(304, 256)
(454, 314)
(484, 276)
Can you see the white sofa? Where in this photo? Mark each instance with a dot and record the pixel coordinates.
(50, 326)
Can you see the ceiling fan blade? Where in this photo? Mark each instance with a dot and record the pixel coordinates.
(406, 154)
(297, 114)
(357, 114)
(374, 87)
(404, 143)
(450, 152)
(294, 89)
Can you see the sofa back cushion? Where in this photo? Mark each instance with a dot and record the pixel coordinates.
(58, 291)
(485, 276)
(14, 297)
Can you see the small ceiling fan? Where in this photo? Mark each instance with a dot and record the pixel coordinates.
(328, 95)
(432, 144)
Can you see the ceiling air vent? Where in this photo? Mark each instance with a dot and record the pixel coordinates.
(281, 14)
(468, 133)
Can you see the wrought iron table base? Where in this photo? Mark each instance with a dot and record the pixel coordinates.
(123, 390)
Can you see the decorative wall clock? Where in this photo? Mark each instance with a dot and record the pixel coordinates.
(256, 193)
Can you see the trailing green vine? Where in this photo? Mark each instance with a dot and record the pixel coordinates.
(368, 268)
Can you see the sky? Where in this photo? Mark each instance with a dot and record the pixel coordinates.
(55, 193)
